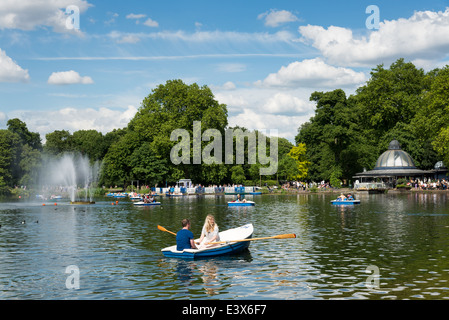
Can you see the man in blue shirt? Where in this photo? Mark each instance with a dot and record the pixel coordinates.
(184, 237)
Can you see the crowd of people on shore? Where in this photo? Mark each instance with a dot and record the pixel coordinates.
(429, 184)
(416, 184)
(300, 185)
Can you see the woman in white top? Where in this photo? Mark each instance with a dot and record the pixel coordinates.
(210, 232)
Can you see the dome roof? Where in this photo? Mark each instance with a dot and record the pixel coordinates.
(394, 158)
(440, 165)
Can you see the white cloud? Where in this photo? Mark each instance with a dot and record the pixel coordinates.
(130, 38)
(423, 36)
(267, 108)
(11, 71)
(274, 18)
(30, 14)
(283, 103)
(212, 36)
(151, 23)
(73, 119)
(231, 67)
(135, 16)
(3, 120)
(229, 85)
(313, 73)
(287, 126)
(68, 77)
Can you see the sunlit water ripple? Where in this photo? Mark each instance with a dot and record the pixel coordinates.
(117, 249)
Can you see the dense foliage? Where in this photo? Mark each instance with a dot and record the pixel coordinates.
(347, 134)
(141, 151)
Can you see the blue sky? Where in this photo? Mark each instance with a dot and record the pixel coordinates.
(262, 59)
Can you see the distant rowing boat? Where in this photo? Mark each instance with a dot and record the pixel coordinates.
(142, 203)
(241, 203)
(345, 202)
(174, 194)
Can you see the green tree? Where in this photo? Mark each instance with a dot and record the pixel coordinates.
(288, 168)
(19, 127)
(117, 168)
(432, 119)
(58, 142)
(8, 144)
(25, 153)
(298, 153)
(146, 166)
(237, 174)
(90, 143)
(214, 173)
(390, 96)
(170, 106)
(329, 134)
(441, 145)
(30, 164)
(402, 102)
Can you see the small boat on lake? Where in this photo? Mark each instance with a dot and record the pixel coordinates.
(241, 203)
(143, 203)
(345, 202)
(174, 195)
(231, 245)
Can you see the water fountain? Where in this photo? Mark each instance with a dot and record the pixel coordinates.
(69, 174)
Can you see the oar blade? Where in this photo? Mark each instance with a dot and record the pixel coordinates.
(165, 230)
(285, 236)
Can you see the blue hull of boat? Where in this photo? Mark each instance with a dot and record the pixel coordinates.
(241, 204)
(347, 202)
(147, 204)
(220, 251)
(232, 244)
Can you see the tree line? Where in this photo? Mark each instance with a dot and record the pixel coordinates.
(402, 102)
(141, 150)
(345, 135)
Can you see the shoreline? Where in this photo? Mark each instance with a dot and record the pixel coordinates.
(348, 190)
(27, 196)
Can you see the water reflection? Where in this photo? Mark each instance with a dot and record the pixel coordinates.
(117, 249)
(206, 277)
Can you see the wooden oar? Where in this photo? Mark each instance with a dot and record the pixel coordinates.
(163, 229)
(279, 236)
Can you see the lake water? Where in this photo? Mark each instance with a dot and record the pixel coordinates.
(337, 252)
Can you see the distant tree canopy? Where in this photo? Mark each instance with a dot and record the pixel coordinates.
(143, 152)
(347, 134)
(20, 155)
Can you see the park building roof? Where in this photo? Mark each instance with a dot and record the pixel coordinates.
(394, 162)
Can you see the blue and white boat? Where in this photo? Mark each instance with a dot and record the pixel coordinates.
(230, 245)
(345, 202)
(174, 195)
(142, 203)
(241, 203)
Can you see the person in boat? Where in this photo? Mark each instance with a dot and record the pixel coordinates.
(239, 198)
(148, 199)
(350, 197)
(184, 237)
(342, 197)
(210, 232)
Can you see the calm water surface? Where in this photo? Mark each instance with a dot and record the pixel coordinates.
(117, 249)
